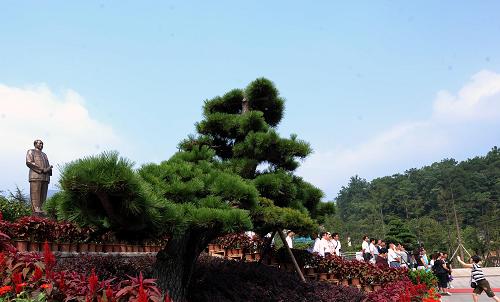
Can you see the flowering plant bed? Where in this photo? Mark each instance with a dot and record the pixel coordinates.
(29, 232)
(33, 276)
(239, 241)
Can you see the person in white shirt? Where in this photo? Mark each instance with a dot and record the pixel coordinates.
(365, 248)
(403, 255)
(289, 238)
(324, 245)
(392, 257)
(336, 244)
(373, 250)
(315, 249)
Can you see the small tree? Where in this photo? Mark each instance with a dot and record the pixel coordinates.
(237, 174)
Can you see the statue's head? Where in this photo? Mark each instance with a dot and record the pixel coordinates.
(38, 144)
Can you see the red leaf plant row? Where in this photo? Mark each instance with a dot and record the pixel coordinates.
(30, 274)
(345, 269)
(38, 229)
(404, 291)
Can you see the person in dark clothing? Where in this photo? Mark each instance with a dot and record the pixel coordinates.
(441, 271)
(381, 260)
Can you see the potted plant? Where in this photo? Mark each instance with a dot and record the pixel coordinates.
(66, 234)
(37, 229)
(20, 236)
(355, 272)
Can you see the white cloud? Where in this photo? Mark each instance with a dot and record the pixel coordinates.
(478, 100)
(61, 121)
(458, 123)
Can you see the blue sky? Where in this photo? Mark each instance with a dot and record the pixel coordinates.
(363, 81)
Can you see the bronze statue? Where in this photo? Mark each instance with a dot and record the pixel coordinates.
(39, 176)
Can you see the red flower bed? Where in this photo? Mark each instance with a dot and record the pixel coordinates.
(403, 291)
(31, 274)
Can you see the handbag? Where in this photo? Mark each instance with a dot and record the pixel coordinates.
(473, 283)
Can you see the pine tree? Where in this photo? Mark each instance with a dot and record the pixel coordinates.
(241, 127)
(236, 174)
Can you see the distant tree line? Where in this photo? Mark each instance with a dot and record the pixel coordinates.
(428, 206)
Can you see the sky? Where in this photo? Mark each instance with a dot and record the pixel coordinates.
(376, 87)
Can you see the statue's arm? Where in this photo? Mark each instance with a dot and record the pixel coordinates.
(30, 162)
(49, 169)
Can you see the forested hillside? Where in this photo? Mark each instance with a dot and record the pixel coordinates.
(418, 206)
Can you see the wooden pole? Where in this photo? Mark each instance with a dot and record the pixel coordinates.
(460, 245)
(297, 268)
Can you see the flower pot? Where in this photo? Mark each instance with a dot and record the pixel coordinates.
(123, 248)
(73, 247)
(108, 248)
(99, 248)
(333, 279)
(211, 248)
(355, 282)
(34, 246)
(345, 282)
(147, 249)
(92, 247)
(309, 271)
(64, 247)
(377, 287)
(322, 276)
(249, 257)
(116, 247)
(367, 288)
(257, 256)
(21, 245)
(83, 247)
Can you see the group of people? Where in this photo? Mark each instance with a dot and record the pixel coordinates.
(377, 252)
(327, 244)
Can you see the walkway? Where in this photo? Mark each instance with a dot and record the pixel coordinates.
(461, 283)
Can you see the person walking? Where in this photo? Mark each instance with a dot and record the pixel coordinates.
(478, 280)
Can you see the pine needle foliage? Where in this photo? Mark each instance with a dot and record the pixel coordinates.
(240, 127)
(104, 191)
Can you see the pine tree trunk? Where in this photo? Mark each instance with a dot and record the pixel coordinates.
(176, 262)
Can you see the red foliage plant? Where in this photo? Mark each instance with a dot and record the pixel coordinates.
(48, 257)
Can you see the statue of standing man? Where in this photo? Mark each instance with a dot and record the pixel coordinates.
(39, 176)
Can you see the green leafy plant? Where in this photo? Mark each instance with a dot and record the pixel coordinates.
(423, 276)
(12, 209)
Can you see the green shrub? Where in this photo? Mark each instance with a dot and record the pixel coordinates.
(424, 277)
(12, 209)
